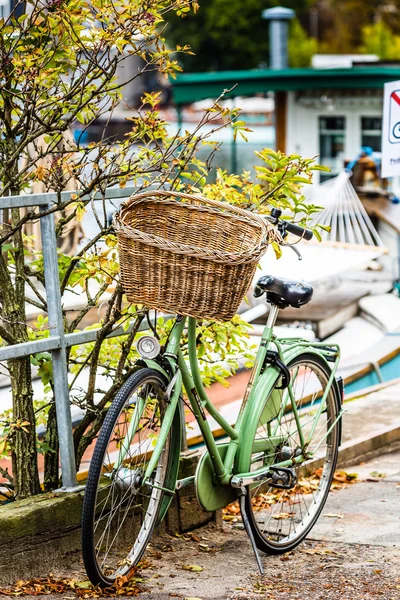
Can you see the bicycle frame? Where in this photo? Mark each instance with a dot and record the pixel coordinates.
(261, 384)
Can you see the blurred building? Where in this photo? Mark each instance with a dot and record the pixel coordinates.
(330, 112)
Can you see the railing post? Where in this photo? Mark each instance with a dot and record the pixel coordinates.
(58, 356)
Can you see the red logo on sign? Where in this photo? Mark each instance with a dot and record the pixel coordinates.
(396, 97)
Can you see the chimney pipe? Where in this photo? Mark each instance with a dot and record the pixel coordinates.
(278, 18)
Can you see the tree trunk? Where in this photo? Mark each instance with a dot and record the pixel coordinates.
(23, 440)
(23, 435)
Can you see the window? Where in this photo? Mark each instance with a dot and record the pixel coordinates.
(331, 144)
(371, 132)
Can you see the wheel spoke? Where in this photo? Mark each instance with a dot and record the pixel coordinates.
(124, 510)
(282, 517)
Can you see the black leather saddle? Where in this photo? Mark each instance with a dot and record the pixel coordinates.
(283, 292)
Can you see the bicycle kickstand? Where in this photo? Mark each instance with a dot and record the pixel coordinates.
(247, 527)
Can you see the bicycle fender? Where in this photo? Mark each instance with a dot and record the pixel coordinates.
(152, 364)
(176, 438)
(166, 426)
(262, 388)
(292, 353)
(173, 470)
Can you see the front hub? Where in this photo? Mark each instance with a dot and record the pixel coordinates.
(128, 478)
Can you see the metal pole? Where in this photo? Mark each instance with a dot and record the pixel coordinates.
(179, 117)
(58, 356)
(278, 18)
(234, 164)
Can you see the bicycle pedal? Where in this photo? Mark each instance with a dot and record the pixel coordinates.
(278, 476)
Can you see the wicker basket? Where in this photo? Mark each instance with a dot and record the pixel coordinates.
(187, 254)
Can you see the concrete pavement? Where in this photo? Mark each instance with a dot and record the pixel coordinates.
(369, 511)
(353, 553)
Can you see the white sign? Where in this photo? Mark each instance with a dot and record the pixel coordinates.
(391, 130)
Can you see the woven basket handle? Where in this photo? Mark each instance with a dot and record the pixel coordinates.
(215, 203)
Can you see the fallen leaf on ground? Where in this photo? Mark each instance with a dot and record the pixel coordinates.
(320, 551)
(82, 589)
(192, 537)
(194, 568)
(305, 485)
(204, 547)
(344, 477)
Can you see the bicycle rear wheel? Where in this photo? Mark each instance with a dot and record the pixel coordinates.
(281, 518)
(120, 510)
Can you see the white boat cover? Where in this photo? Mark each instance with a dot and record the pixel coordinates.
(321, 261)
(382, 309)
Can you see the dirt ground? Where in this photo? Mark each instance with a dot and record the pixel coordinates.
(353, 553)
(316, 570)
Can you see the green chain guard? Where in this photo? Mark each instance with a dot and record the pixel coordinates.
(211, 495)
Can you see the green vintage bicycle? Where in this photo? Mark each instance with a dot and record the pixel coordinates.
(278, 459)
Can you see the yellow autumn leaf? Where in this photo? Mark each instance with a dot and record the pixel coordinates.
(282, 516)
(3, 445)
(194, 568)
(277, 249)
(80, 211)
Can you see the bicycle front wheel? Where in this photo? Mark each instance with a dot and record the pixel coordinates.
(120, 509)
(281, 518)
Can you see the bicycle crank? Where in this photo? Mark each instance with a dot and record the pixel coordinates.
(278, 477)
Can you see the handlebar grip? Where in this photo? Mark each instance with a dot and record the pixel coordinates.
(301, 232)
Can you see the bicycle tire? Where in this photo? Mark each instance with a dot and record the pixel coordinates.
(122, 487)
(279, 532)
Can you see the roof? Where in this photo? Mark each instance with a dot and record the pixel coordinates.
(197, 86)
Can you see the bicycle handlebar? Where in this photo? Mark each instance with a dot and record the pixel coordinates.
(286, 226)
(301, 232)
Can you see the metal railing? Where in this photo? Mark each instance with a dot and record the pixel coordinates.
(58, 341)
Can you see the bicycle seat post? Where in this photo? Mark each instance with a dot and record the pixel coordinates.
(272, 316)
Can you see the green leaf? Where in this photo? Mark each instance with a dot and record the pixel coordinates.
(80, 117)
(317, 234)
(320, 168)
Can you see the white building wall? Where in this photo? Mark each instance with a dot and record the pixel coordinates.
(302, 125)
(302, 137)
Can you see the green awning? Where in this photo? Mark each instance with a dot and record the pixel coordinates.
(191, 87)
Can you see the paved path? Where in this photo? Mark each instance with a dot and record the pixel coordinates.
(366, 416)
(353, 555)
